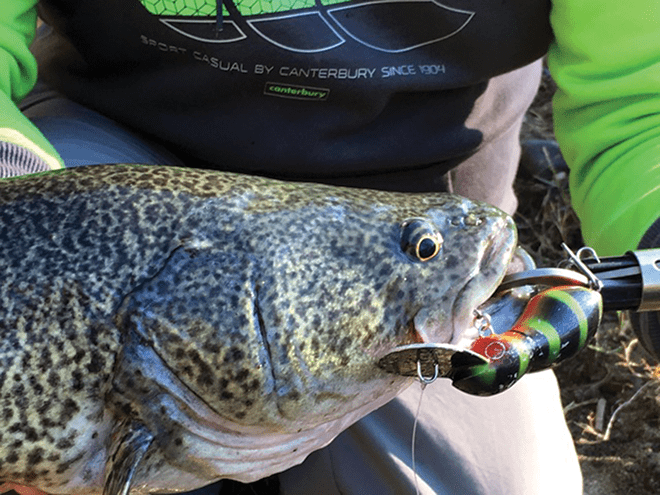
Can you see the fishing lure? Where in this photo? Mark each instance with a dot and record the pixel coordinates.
(556, 324)
(543, 329)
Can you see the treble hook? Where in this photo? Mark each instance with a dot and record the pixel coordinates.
(482, 323)
(594, 282)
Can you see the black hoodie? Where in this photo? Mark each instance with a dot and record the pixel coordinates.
(306, 89)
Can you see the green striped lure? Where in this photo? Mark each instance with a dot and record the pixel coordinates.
(556, 324)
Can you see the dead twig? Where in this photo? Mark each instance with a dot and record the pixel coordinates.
(600, 414)
(616, 412)
(574, 405)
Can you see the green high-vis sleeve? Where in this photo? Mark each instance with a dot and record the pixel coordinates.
(606, 62)
(18, 73)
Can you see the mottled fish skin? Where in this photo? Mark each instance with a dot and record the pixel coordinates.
(230, 324)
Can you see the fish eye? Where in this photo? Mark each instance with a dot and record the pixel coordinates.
(420, 240)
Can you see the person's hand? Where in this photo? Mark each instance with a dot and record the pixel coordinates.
(21, 490)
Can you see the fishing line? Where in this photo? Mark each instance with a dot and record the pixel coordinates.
(414, 434)
(424, 381)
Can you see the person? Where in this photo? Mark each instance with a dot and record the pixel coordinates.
(400, 95)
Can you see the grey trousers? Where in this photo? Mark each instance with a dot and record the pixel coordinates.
(516, 443)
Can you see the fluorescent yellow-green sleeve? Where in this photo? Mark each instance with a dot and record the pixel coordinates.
(18, 72)
(606, 62)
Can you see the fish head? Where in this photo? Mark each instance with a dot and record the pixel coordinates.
(277, 318)
(406, 269)
(220, 325)
(311, 285)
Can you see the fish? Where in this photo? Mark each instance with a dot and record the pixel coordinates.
(164, 328)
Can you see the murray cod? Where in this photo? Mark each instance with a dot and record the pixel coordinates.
(164, 328)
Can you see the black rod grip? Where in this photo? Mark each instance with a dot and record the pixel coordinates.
(622, 281)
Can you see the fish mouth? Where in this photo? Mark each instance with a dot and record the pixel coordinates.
(428, 326)
(494, 264)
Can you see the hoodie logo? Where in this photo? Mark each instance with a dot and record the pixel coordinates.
(311, 26)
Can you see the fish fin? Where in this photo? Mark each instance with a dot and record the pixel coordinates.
(130, 442)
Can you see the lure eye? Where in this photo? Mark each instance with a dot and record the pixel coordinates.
(420, 240)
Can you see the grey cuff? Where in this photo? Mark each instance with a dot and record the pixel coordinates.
(647, 324)
(16, 160)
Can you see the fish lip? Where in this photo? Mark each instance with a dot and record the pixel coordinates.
(418, 335)
(463, 309)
